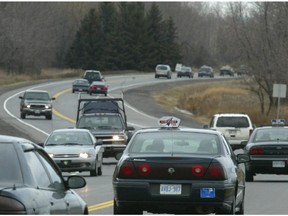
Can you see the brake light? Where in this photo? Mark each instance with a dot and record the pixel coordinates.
(216, 171)
(198, 170)
(144, 170)
(92, 87)
(127, 169)
(256, 151)
(104, 88)
(11, 205)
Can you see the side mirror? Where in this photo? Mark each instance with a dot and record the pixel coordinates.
(118, 155)
(130, 128)
(75, 182)
(205, 126)
(53, 98)
(243, 158)
(21, 97)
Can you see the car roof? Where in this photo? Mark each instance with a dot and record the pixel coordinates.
(231, 114)
(33, 90)
(94, 71)
(179, 129)
(7, 138)
(71, 130)
(80, 79)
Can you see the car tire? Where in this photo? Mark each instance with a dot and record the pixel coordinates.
(232, 211)
(73, 91)
(23, 115)
(249, 177)
(94, 171)
(48, 117)
(121, 210)
(99, 171)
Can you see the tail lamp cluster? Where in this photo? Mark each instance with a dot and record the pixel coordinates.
(198, 171)
(98, 86)
(11, 206)
(256, 151)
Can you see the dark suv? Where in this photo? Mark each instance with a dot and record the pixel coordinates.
(36, 103)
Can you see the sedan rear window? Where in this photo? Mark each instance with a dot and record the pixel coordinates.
(179, 142)
(236, 122)
(9, 165)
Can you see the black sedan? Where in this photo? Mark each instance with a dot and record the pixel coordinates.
(98, 87)
(179, 171)
(31, 183)
(80, 85)
(268, 150)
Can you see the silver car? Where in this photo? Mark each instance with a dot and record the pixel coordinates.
(162, 70)
(75, 150)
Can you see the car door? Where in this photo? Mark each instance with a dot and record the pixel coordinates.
(51, 188)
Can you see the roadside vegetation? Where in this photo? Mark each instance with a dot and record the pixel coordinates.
(203, 100)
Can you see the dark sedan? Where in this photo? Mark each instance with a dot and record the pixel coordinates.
(80, 85)
(185, 72)
(98, 87)
(268, 150)
(31, 183)
(179, 171)
(206, 71)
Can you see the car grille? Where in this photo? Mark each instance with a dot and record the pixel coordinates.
(66, 156)
(109, 140)
(37, 106)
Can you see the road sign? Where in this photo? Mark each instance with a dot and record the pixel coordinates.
(279, 90)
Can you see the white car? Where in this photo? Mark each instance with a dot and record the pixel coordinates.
(236, 127)
(163, 71)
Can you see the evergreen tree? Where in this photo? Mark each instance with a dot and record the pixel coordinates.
(87, 47)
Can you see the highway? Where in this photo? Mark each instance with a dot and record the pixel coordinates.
(267, 195)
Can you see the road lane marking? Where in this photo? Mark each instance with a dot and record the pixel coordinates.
(100, 206)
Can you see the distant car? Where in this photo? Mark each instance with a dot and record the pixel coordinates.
(177, 170)
(31, 183)
(93, 75)
(236, 127)
(227, 70)
(36, 103)
(268, 150)
(206, 71)
(98, 87)
(75, 150)
(80, 85)
(163, 71)
(185, 72)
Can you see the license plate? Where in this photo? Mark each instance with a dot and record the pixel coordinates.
(98, 88)
(278, 164)
(232, 131)
(207, 193)
(37, 111)
(169, 189)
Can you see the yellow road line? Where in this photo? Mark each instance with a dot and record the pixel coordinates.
(100, 206)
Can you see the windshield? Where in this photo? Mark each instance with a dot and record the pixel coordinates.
(105, 122)
(237, 122)
(37, 96)
(73, 138)
(271, 134)
(175, 142)
(162, 67)
(205, 69)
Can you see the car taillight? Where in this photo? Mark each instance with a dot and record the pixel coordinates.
(198, 170)
(216, 171)
(256, 151)
(144, 169)
(12, 206)
(92, 87)
(104, 88)
(127, 169)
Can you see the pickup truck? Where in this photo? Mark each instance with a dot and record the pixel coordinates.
(106, 119)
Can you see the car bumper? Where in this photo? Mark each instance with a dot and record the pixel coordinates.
(146, 196)
(98, 92)
(80, 89)
(71, 165)
(267, 165)
(37, 112)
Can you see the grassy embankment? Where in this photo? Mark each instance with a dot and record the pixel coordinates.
(205, 99)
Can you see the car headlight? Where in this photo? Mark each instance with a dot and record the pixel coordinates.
(51, 155)
(116, 137)
(84, 155)
(27, 105)
(47, 106)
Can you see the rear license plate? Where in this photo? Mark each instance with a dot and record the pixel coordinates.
(278, 164)
(232, 131)
(207, 193)
(169, 189)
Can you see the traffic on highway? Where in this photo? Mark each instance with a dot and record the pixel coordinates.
(99, 194)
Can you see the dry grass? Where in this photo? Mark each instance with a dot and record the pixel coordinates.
(205, 99)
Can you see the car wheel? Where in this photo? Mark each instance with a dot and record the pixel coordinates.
(90, 93)
(48, 117)
(23, 116)
(73, 91)
(249, 176)
(94, 171)
(232, 211)
(156, 76)
(120, 210)
(99, 171)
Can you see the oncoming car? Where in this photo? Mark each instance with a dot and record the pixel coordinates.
(31, 183)
(268, 150)
(75, 150)
(179, 170)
